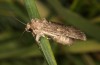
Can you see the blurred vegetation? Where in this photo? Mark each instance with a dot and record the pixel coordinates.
(21, 49)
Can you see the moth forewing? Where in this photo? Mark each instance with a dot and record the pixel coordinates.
(75, 33)
(62, 34)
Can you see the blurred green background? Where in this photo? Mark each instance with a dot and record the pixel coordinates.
(17, 48)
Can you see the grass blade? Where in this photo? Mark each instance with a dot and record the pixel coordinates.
(46, 49)
(32, 9)
(44, 43)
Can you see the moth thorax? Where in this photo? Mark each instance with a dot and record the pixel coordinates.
(37, 25)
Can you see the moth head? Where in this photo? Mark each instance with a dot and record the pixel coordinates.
(28, 27)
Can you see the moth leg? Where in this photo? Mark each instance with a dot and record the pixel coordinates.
(38, 37)
(33, 34)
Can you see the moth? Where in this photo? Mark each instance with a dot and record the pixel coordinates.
(62, 34)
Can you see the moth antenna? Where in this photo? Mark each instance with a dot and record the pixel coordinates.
(22, 34)
(19, 21)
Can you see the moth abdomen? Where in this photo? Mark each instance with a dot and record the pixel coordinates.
(64, 40)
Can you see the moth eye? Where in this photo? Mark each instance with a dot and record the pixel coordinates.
(30, 30)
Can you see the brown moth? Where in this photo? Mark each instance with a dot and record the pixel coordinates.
(62, 34)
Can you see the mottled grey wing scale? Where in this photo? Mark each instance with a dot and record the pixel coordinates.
(75, 33)
(67, 31)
